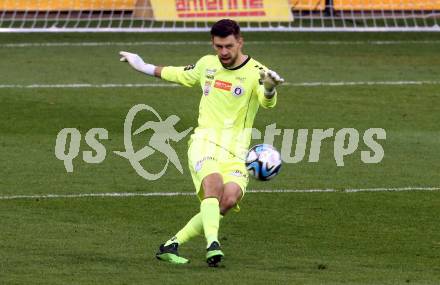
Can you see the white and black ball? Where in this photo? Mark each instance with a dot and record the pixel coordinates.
(263, 162)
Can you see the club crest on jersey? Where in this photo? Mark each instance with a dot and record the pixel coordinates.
(223, 85)
(237, 91)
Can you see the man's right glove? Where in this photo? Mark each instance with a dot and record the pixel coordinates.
(270, 80)
(137, 63)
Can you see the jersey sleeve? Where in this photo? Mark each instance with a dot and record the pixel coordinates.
(185, 75)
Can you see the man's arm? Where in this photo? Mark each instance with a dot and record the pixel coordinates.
(183, 75)
(138, 63)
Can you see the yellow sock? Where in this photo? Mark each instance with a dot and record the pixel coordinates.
(210, 212)
(192, 229)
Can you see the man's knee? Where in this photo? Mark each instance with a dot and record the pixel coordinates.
(231, 195)
(213, 186)
(227, 202)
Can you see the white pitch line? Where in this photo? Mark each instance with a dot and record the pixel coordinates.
(177, 43)
(173, 194)
(85, 195)
(393, 189)
(169, 85)
(357, 83)
(89, 85)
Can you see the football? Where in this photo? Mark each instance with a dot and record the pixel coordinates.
(263, 162)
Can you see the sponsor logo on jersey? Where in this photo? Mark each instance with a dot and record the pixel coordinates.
(199, 163)
(207, 88)
(241, 79)
(210, 73)
(237, 91)
(223, 85)
(237, 173)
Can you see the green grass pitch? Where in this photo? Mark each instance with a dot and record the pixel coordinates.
(277, 238)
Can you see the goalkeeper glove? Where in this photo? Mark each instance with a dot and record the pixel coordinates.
(270, 80)
(137, 63)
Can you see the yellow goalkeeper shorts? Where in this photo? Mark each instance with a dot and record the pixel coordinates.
(205, 158)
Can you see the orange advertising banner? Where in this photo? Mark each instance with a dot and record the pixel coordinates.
(386, 5)
(65, 5)
(313, 5)
(206, 10)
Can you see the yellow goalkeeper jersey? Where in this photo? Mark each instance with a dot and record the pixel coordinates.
(229, 102)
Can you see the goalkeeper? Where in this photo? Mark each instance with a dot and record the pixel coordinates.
(233, 86)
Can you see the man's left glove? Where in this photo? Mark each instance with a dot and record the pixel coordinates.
(137, 62)
(270, 80)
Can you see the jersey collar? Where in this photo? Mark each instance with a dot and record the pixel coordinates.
(241, 65)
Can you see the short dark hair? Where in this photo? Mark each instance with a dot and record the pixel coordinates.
(225, 28)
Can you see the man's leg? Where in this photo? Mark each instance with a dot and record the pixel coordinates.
(209, 186)
(210, 206)
(207, 218)
(218, 200)
(210, 209)
(168, 251)
(193, 228)
(231, 195)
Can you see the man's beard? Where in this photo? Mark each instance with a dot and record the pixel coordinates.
(231, 62)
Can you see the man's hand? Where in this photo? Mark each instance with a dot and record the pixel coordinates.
(270, 80)
(137, 63)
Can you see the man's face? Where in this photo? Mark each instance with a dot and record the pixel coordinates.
(228, 49)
